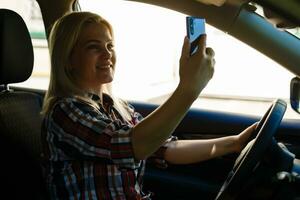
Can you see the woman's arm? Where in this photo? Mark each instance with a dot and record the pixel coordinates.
(192, 151)
(195, 72)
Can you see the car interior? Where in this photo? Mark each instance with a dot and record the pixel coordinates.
(268, 168)
(19, 113)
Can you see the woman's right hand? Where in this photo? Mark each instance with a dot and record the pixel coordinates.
(195, 71)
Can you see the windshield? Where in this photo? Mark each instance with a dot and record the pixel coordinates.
(145, 46)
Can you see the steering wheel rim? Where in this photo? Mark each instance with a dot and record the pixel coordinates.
(251, 155)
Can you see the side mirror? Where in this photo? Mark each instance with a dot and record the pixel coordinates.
(295, 94)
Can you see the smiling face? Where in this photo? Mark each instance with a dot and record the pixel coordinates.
(93, 57)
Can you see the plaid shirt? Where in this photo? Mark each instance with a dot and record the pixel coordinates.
(89, 154)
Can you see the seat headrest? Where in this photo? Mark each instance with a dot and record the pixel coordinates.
(16, 51)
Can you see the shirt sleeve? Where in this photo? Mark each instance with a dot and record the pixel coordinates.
(80, 131)
(158, 157)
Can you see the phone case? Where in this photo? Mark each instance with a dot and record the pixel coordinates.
(195, 28)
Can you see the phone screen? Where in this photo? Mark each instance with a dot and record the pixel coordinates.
(195, 28)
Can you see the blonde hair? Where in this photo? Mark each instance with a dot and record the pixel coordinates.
(62, 39)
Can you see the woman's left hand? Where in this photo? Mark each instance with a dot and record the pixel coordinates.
(243, 138)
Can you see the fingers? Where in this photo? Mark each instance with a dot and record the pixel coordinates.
(202, 45)
(251, 131)
(198, 68)
(209, 51)
(253, 126)
(203, 50)
(185, 53)
(210, 54)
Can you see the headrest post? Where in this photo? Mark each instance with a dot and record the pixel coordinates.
(4, 88)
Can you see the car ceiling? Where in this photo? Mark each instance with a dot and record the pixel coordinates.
(235, 17)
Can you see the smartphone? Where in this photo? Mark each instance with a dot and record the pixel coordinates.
(195, 28)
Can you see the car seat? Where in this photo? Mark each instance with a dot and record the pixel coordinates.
(20, 119)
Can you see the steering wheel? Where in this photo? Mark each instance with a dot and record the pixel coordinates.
(254, 151)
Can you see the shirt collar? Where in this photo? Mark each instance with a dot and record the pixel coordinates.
(107, 100)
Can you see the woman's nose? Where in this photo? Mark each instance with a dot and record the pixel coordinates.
(107, 53)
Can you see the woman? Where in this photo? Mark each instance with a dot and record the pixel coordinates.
(96, 144)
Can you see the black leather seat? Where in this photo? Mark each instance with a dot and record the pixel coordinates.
(20, 120)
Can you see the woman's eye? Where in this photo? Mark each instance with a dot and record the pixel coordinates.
(110, 46)
(97, 47)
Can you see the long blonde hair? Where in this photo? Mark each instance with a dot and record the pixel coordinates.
(62, 39)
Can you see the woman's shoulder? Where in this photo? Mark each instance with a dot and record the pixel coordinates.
(71, 100)
(75, 103)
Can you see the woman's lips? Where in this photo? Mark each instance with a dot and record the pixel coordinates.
(104, 65)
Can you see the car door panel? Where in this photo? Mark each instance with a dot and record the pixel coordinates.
(205, 179)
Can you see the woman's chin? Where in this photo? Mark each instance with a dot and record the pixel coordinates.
(107, 80)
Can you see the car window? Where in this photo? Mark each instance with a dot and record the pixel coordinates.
(148, 44)
(148, 41)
